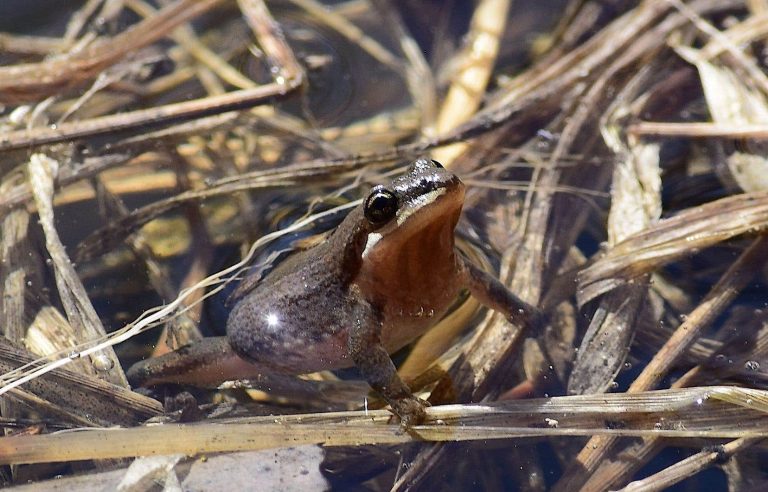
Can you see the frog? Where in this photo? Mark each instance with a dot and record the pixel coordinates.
(382, 278)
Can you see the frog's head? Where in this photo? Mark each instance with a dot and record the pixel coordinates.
(423, 204)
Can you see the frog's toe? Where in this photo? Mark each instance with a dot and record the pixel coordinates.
(411, 411)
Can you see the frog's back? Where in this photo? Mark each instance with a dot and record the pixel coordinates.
(296, 319)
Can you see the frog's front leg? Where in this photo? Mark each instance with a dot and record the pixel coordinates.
(375, 365)
(493, 294)
(207, 362)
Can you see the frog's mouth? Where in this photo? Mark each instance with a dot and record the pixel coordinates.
(438, 209)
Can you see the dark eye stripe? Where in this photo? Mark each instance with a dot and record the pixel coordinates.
(423, 186)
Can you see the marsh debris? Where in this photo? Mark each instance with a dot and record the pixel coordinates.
(614, 157)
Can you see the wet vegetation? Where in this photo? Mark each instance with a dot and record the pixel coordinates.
(153, 152)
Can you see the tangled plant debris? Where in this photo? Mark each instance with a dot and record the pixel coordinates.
(152, 152)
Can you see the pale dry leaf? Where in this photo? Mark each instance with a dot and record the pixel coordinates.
(732, 102)
(636, 193)
(146, 472)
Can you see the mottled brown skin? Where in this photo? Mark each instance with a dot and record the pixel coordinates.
(367, 291)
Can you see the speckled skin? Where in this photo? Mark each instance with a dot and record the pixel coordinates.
(305, 306)
(362, 294)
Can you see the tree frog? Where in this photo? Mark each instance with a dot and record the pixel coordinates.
(383, 277)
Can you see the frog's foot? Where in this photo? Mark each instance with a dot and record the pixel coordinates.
(185, 404)
(411, 410)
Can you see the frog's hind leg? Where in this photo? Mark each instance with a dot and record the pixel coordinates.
(208, 362)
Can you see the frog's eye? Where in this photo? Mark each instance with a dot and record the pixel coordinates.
(380, 206)
(437, 164)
